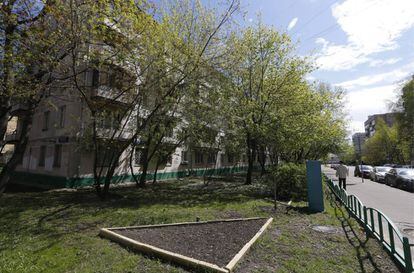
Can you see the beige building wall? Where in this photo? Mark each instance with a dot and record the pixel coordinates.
(60, 121)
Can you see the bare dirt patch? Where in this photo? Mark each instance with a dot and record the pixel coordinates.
(216, 242)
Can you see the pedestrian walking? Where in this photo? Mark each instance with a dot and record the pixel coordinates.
(342, 172)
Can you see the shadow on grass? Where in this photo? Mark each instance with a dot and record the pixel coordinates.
(356, 239)
(188, 193)
(56, 213)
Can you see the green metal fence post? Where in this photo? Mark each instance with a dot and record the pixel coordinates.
(407, 256)
(391, 233)
(381, 231)
(371, 212)
(365, 220)
(364, 210)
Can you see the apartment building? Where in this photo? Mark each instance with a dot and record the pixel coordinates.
(370, 123)
(358, 140)
(57, 154)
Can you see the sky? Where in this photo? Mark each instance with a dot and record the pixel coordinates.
(364, 46)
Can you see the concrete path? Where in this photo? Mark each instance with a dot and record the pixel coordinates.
(397, 204)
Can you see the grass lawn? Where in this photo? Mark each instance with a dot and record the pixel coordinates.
(58, 231)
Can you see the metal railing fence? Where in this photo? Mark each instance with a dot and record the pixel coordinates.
(378, 225)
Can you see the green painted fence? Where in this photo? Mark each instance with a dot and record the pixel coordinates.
(57, 182)
(378, 225)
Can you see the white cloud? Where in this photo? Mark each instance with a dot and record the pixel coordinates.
(310, 78)
(365, 102)
(390, 77)
(292, 23)
(378, 63)
(371, 26)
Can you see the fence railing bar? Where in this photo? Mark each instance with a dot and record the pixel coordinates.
(381, 232)
(360, 212)
(371, 212)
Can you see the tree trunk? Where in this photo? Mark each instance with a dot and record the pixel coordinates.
(154, 179)
(262, 160)
(6, 84)
(251, 154)
(108, 179)
(17, 157)
(143, 176)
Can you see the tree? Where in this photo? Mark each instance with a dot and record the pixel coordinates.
(312, 125)
(159, 57)
(262, 71)
(348, 155)
(383, 146)
(405, 117)
(29, 53)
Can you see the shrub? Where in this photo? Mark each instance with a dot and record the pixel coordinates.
(290, 181)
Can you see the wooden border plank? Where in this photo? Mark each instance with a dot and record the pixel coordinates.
(230, 266)
(178, 258)
(186, 223)
(165, 254)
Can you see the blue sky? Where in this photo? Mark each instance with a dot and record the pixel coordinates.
(365, 46)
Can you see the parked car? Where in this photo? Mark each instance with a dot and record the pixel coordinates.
(400, 177)
(362, 171)
(378, 173)
(406, 180)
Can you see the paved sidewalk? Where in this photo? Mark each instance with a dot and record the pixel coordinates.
(397, 204)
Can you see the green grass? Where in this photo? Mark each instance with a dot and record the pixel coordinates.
(58, 231)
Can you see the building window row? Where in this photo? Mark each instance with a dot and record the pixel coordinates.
(60, 118)
(57, 156)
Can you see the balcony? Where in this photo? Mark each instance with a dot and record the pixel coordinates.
(18, 109)
(107, 133)
(12, 137)
(111, 96)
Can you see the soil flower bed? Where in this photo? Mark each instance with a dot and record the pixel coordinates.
(214, 245)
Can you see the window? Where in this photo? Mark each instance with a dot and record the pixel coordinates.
(109, 120)
(222, 160)
(42, 156)
(108, 76)
(198, 157)
(57, 158)
(105, 156)
(169, 160)
(230, 158)
(62, 113)
(184, 157)
(46, 117)
(139, 158)
(95, 78)
(211, 158)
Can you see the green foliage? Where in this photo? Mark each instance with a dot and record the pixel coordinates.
(383, 146)
(348, 155)
(290, 181)
(405, 116)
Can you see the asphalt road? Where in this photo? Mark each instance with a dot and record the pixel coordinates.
(397, 204)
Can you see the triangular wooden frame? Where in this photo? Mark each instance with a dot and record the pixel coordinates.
(110, 233)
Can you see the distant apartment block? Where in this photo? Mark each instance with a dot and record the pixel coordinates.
(358, 140)
(371, 122)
